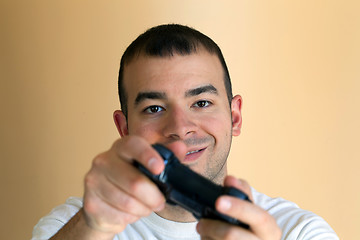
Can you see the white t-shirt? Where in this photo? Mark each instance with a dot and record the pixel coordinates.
(294, 222)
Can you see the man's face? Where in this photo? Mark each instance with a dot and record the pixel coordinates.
(182, 98)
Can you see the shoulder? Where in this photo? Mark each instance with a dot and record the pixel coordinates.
(56, 219)
(296, 223)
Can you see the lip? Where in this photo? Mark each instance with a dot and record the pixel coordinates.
(194, 155)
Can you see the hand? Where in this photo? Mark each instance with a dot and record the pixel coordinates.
(116, 193)
(262, 224)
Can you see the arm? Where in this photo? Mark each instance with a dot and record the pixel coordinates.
(114, 190)
(83, 231)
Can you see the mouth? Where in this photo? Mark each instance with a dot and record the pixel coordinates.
(193, 155)
(195, 151)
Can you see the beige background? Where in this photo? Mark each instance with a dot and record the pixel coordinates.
(296, 64)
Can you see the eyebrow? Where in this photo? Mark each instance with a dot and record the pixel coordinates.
(199, 90)
(142, 96)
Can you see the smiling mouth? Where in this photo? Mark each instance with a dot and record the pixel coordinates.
(195, 151)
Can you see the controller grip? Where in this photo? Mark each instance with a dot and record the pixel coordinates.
(231, 191)
(188, 189)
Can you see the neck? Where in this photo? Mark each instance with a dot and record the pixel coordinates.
(176, 214)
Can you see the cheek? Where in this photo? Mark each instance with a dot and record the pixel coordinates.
(147, 131)
(217, 125)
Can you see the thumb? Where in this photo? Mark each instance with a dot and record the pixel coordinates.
(178, 148)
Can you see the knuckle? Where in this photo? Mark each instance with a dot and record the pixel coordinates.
(230, 233)
(134, 207)
(89, 180)
(91, 177)
(244, 185)
(128, 218)
(100, 160)
(131, 147)
(90, 207)
(136, 185)
(265, 220)
(119, 143)
(128, 203)
(140, 188)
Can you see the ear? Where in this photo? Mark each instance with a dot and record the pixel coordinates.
(236, 104)
(121, 123)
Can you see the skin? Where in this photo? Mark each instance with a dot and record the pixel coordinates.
(181, 102)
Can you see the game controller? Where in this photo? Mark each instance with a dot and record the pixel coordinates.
(186, 188)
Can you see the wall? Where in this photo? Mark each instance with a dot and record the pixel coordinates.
(295, 63)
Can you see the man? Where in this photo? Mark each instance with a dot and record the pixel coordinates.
(174, 89)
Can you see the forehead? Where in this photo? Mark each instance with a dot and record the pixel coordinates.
(175, 74)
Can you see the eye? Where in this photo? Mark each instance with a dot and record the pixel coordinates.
(202, 104)
(153, 109)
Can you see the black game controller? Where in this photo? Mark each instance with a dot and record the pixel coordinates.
(186, 188)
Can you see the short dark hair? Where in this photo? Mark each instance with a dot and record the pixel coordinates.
(164, 41)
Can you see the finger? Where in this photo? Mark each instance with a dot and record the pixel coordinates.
(112, 180)
(240, 184)
(178, 148)
(103, 217)
(261, 223)
(220, 230)
(116, 197)
(137, 185)
(136, 148)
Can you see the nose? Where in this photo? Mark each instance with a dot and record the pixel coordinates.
(179, 124)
